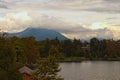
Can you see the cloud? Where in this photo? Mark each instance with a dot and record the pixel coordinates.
(3, 5)
(82, 5)
(96, 6)
(78, 31)
(72, 5)
(101, 33)
(64, 16)
(115, 30)
(112, 1)
(9, 0)
(50, 22)
(15, 22)
(87, 32)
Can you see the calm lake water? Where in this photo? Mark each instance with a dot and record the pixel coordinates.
(91, 70)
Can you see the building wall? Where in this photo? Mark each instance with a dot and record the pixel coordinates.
(26, 77)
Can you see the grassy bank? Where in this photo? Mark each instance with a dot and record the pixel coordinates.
(79, 59)
(72, 59)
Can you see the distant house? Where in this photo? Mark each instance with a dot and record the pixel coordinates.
(26, 73)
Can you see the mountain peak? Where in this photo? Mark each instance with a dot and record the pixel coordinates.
(40, 34)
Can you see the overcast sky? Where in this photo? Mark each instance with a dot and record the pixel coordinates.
(73, 18)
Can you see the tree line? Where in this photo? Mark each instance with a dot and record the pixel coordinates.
(28, 50)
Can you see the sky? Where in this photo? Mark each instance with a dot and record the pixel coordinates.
(81, 19)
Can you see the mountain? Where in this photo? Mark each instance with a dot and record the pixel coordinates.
(39, 34)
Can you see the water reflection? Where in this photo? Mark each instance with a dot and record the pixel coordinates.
(91, 70)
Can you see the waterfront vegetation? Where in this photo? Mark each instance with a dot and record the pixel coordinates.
(15, 52)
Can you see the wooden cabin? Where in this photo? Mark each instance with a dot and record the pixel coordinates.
(26, 73)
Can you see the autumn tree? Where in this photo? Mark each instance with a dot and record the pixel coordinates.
(19, 47)
(47, 69)
(112, 50)
(8, 69)
(31, 49)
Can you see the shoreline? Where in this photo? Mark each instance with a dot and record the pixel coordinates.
(78, 59)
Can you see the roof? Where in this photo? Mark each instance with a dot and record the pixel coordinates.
(26, 70)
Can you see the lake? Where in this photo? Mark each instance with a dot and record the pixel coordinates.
(91, 70)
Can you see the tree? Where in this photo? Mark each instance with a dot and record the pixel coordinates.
(54, 51)
(47, 69)
(31, 49)
(44, 47)
(8, 69)
(19, 50)
(68, 49)
(94, 47)
(112, 49)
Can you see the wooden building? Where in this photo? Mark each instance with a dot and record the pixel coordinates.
(26, 73)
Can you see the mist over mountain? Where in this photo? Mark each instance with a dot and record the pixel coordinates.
(39, 34)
